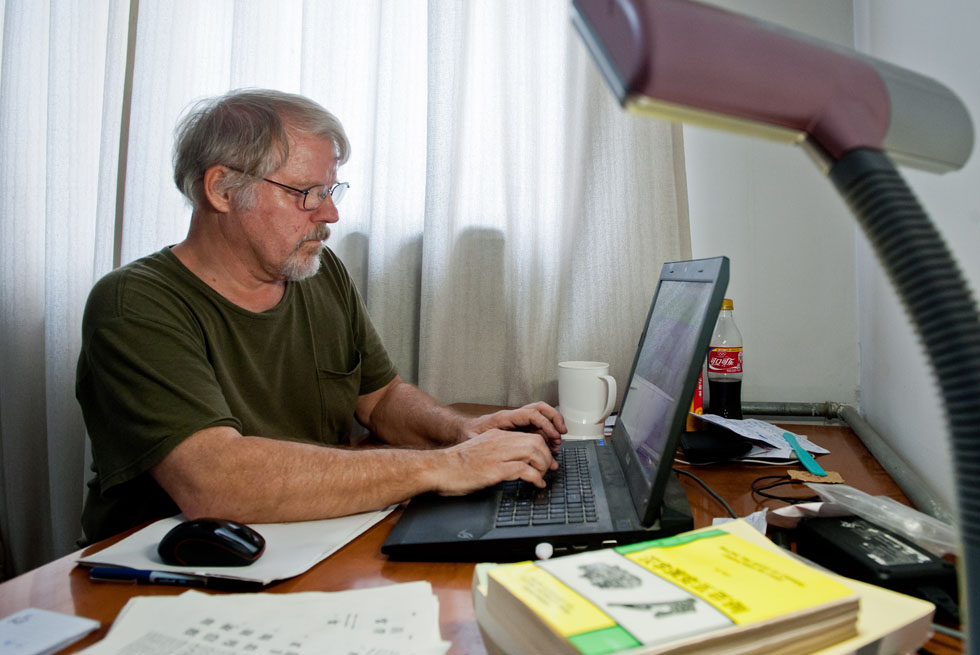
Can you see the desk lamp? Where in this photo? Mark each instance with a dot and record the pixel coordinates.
(686, 61)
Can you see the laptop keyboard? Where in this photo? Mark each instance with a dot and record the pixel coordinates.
(568, 498)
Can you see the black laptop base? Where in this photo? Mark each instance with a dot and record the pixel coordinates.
(479, 542)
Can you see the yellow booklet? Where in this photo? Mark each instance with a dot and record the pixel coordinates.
(708, 588)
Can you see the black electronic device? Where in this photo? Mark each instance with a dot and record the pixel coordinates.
(859, 549)
(712, 447)
(211, 542)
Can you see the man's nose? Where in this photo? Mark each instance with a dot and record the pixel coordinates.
(326, 212)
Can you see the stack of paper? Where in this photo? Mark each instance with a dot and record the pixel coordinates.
(768, 440)
(393, 620)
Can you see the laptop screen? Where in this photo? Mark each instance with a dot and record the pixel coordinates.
(665, 370)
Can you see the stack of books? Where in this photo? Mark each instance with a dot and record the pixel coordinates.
(722, 590)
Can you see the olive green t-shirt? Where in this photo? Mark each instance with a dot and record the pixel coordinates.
(164, 355)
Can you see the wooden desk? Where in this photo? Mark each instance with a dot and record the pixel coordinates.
(62, 587)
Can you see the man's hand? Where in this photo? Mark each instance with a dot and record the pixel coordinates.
(491, 457)
(540, 418)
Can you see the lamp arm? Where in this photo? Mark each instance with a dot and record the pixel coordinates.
(942, 310)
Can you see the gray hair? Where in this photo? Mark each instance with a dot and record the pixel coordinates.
(247, 130)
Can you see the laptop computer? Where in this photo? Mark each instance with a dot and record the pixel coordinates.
(621, 488)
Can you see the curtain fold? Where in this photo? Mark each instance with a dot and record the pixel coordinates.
(61, 78)
(549, 211)
(504, 212)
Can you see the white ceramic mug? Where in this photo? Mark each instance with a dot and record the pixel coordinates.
(586, 395)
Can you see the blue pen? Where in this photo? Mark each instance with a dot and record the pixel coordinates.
(140, 576)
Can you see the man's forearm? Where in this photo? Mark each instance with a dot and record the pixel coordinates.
(218, 472)
(407, 416)
(263, 480)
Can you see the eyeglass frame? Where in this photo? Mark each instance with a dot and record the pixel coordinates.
(304, 192)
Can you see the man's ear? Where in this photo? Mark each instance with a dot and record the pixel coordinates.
(216, 192)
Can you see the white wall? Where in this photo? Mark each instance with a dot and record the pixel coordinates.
(789, 236)
(898, 392)
(819, 320)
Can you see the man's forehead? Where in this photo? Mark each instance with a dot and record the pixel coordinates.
(311, 151)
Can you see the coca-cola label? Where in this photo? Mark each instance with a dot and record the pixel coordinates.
(725, 360)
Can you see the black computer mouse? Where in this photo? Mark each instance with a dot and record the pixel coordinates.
(211, 542)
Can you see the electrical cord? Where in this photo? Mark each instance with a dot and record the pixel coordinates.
(781, 480)
(710, 491)
(739, 460)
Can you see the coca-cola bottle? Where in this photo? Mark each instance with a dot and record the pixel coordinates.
(725, 365)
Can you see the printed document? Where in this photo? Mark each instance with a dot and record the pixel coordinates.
(393, 620)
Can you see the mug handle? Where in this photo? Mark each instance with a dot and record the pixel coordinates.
(610, 397)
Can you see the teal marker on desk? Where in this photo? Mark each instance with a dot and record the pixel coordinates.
(806, 459)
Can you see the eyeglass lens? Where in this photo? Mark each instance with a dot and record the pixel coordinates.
(315, 197)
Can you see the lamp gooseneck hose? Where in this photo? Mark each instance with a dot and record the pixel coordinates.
(857, 117)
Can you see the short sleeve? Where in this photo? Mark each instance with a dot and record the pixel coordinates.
(144, 382)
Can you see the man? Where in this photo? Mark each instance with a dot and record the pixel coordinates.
(221, 376)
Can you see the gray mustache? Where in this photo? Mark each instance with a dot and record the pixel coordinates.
(321, 233)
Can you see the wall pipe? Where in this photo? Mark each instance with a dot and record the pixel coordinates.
(920, 493)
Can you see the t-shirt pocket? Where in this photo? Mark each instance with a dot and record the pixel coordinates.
(339, 392)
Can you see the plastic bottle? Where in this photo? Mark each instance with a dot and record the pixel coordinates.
(725, 365)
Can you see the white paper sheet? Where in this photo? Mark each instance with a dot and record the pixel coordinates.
(291, 548)
(756, 519)
(394, 620)
(34, 631)
(768, 438)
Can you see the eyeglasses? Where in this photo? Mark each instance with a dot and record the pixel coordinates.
(315, 195)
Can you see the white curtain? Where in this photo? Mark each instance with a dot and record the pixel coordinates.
(61, 92)
(548, 210)
(504, 212)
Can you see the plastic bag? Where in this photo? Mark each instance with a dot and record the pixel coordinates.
(932, 534)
